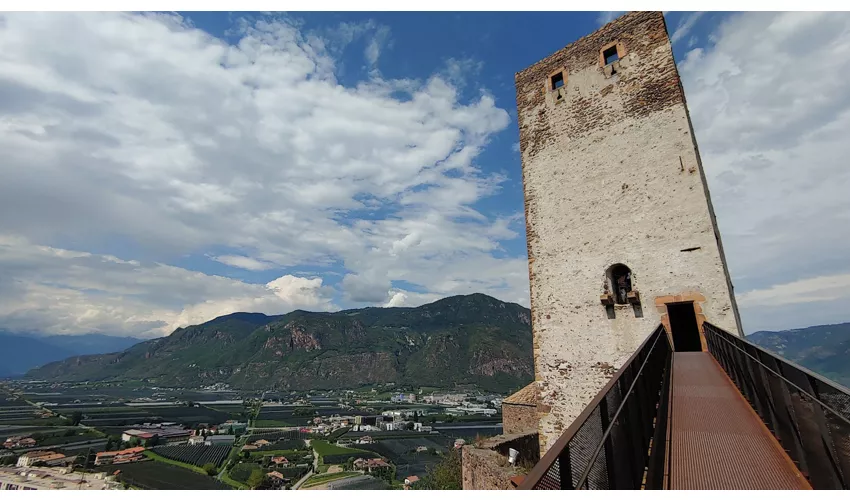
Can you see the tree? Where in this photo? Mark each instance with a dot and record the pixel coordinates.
(246, 454)
(110, 443)
(409, 426)
(267, 460)
(76, 417)
(69, 433)
(89, 459)
(444, 475)
(256, 478)
(209, 468)
(134, 441)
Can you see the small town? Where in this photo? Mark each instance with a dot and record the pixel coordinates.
(77, 437)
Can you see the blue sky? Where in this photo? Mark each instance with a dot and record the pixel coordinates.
(163, 169)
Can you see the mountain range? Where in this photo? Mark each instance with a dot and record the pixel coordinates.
(469, 339)
(824, 349)
(27, 351)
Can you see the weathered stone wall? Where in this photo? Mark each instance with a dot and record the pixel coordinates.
(611, 174)
(484, 470)
(518, 418)
(485, 465)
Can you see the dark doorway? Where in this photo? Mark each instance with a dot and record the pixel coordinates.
(684, 328)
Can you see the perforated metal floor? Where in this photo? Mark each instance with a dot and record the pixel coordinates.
(718, 442)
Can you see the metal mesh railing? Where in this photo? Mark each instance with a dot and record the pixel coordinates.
(618, 441)
(808, 414)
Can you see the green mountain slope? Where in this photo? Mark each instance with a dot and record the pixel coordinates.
(824, 349)
(458, 340)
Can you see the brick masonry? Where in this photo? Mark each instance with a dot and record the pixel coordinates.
(611, 174)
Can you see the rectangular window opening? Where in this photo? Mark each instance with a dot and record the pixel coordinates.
(557, 81)
(610, 55)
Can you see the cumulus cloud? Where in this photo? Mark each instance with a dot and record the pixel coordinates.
(47, 289)
(143, 137)
(770, 108)
(368, 287)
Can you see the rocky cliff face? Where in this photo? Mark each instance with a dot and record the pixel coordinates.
(459, 340)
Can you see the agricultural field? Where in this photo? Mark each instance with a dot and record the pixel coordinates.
(295, 422)
(386, 434)
(331, 454)
(276, 416)
(470, 432)
(233, 411)
(19, 430)
(65, 437)
(326, 478)
(242, 471)
(153, 475)
(270, 435)
(120, 416)
(402, 453)
(197, 455)
(280, 445)
(359, 483)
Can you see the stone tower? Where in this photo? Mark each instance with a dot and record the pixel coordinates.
(621, 231)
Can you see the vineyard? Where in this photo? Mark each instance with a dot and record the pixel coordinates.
(194, 455)
(274, 435)
(402, 453)
(341, 458)
(151, 475)
(295, 444)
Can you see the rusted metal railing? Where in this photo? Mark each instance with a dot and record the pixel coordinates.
(619, 440)
(808, 414)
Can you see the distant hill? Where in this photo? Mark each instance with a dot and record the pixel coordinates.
(824, 349)
(470, 339)
(23, 352)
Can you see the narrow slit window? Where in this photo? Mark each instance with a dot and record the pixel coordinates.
(557, 80)
(610, 55)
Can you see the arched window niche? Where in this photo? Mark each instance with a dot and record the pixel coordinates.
(619, 281)
(619, 289)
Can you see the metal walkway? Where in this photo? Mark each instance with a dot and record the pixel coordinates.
(717, 441)
(734, 417)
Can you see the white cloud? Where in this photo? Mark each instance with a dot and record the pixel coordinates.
(819, 289)
(607, 16)
(52, 290)
(770, 108)
(685, 26)
(243, 262)
(144, 130)
(403, 298)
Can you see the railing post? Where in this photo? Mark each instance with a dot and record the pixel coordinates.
(565, 473)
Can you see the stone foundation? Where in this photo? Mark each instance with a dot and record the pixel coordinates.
(485, 464)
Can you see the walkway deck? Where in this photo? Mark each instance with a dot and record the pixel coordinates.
(718, 441)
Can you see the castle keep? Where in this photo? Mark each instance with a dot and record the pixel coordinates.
(621, 232)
